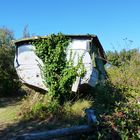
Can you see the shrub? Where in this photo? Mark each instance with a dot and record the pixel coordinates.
(116, 102)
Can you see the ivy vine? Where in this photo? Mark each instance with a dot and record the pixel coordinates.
(59, 74)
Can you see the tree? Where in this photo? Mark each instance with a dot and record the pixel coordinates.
(6, 36)
(26, 33)
(123, 57)
(9, 83)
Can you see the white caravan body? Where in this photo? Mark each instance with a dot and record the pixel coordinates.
(28, 65)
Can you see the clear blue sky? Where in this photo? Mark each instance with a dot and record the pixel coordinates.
(110, 20)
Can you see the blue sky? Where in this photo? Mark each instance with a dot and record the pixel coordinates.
(112, 21)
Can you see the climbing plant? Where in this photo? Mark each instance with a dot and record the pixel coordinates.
(58, 73)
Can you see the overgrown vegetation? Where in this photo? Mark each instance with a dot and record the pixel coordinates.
(117, 100)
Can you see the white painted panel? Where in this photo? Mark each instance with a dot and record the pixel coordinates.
(79, 49)
(79, 44)
(27, 56)
(29, 66)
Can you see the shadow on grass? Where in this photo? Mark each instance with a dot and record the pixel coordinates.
(105, 96)
(11, 100)
(21, 127)
(4, 102)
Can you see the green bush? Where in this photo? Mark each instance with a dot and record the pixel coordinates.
(116, 101)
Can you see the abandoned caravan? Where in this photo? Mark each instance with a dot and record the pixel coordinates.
(27, 63)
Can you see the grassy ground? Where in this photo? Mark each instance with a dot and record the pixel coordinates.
(12, 125)
(9, 109)
(117, 112)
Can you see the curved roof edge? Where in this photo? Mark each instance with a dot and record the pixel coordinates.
(87, 36)
(92, 37)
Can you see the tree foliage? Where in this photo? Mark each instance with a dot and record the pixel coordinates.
(127, 70)
(123, 57)
(5, 37)
(26, 32)
(8, 78)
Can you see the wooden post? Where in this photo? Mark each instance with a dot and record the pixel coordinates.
(47, 135)
(63, 132)
(91, 118)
